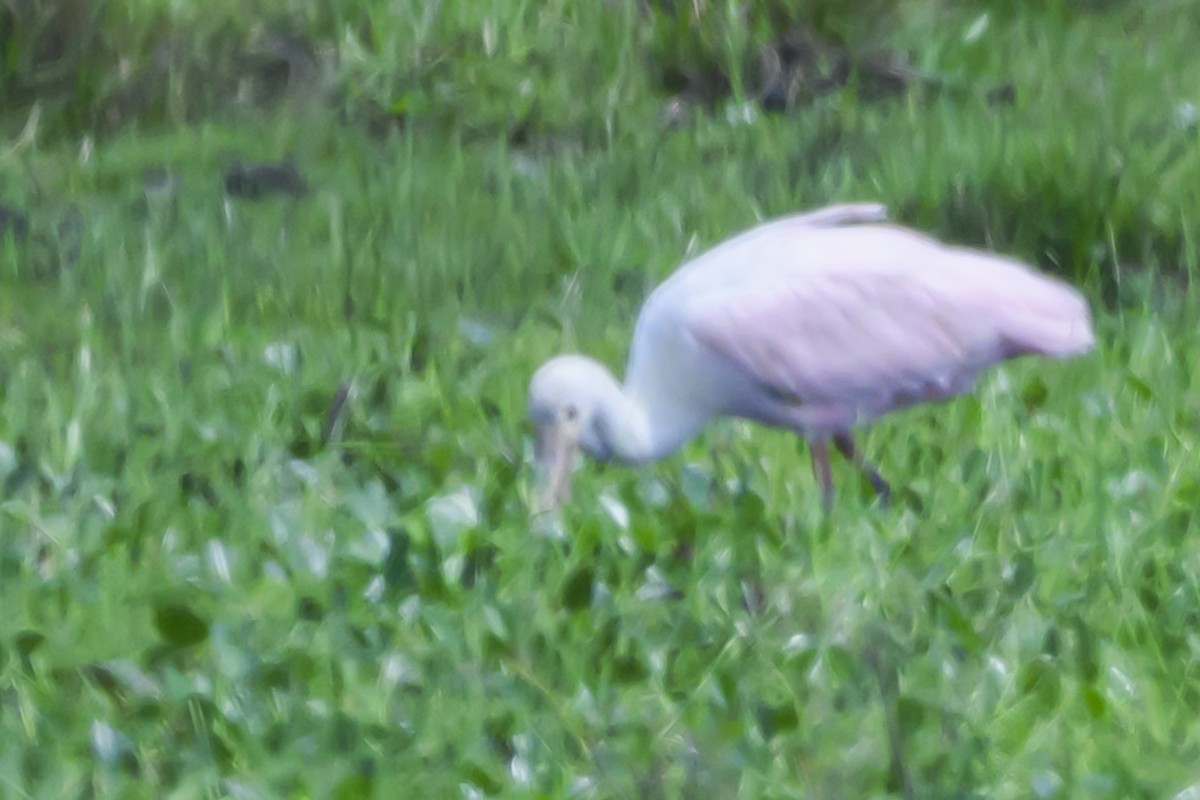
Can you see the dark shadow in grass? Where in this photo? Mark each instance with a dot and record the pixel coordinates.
(13, 222)
(256, 181)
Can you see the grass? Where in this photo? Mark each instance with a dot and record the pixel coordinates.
(207, 595)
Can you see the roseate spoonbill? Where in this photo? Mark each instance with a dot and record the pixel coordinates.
(815, 323)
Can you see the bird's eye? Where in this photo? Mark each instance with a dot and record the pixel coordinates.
(571, 413)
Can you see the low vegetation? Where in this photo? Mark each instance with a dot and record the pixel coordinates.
(275, 278)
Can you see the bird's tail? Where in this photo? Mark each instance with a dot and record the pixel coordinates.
(1049, 318)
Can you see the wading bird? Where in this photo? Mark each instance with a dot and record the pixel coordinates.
(815, 323)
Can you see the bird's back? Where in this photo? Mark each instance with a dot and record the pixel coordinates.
(866, 316)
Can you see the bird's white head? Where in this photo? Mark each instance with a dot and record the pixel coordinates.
(567, 396)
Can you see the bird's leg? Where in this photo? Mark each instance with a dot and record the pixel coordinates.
(822, 472)
(845, 446)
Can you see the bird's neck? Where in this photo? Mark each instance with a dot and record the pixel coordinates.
(637, 429)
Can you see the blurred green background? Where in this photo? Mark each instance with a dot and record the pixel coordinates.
(275, 276)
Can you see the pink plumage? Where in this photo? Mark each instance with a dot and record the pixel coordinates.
(840, 325)
(819, 323)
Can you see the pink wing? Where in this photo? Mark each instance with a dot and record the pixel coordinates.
(878, 335)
